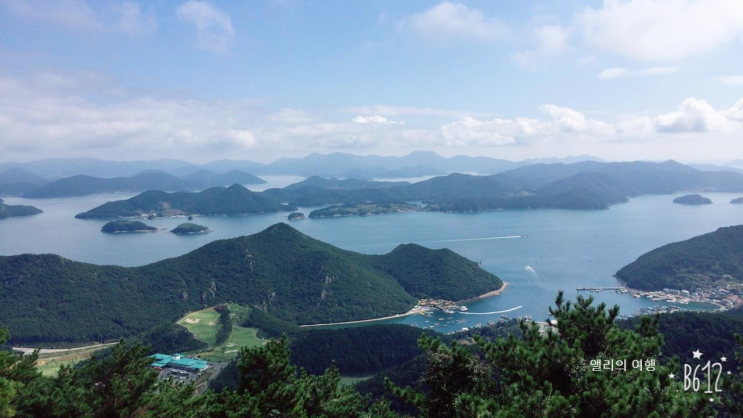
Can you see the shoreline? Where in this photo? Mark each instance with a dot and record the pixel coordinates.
(410, 312)
(487, 295)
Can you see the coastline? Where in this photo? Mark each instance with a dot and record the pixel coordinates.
(487, 295)
(410, 312)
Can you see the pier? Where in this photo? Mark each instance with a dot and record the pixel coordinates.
(591, 289)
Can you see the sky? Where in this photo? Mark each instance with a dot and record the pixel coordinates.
(264, 79)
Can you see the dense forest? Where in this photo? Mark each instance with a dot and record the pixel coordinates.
(692, 200)
(359, 351)
(189, 229)
(126, 226)
(280, 271)
(534, 374)
(713, 259)
(9, 211)
(233, 200)
(362, 209)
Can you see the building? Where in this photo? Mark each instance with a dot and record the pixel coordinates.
(178, 362)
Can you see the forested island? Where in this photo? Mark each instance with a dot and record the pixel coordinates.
(289, 275)
(189, 229)
(709, 260)
(693, 200)
(296, 216)
(586, 185)
(121, 226)
(737, 201)
(233, 200)
(363, 209)
(10, 211)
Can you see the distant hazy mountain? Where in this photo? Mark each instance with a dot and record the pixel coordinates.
(583, 185)
(712, 167)
(233, 200)
(385, 173)
(736, 163)
(55, 168)
(314, 164)
(345, 184)
(151, 180)
(206, 178)
(19, 175)
(640, 177)
(86, 185)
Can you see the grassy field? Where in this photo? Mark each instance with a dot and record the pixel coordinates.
(204, 325)
(50, 363)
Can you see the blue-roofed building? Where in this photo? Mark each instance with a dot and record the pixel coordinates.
(179, 362)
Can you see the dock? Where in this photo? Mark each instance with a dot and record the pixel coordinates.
(591, 289)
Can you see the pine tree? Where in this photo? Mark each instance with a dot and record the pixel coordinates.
(549, 374)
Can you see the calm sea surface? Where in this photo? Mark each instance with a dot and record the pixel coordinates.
(564, 249)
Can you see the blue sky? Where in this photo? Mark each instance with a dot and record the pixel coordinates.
(620, 79)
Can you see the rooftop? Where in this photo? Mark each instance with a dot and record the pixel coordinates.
(162, 360)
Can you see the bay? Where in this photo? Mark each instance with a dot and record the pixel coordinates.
(563, 249)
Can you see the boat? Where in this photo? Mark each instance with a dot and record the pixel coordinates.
(463, 308)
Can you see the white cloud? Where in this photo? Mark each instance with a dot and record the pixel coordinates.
(550, 40)
(565, 121)
(375, 119)
(614, 73)
(407, 111)
(134, 21)
(289, 115)
(213, 26)
(732, 80)
(449, 21)
(693, 115)
(662, 30)
(78, 15)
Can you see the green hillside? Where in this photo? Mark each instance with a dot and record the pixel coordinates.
(426, 273)
(126, 226)
(280, 270)
(10, 211)
(712, 259)
(233, 200)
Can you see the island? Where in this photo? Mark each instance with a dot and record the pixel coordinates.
(233, 200)
(280, 272)
(738, 201)
(693, 200)
(122, 226)
(12, 211)
(363, 209)
(296, 216)
(189, 229)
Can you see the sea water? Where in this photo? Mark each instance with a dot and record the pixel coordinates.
(538, 252)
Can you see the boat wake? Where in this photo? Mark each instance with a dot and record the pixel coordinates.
(474, 239)
(491, 313)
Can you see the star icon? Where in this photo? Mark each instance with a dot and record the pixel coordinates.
(729, 372)
(697, 354)
(671, 376)
(723, 359)
(711, 399)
